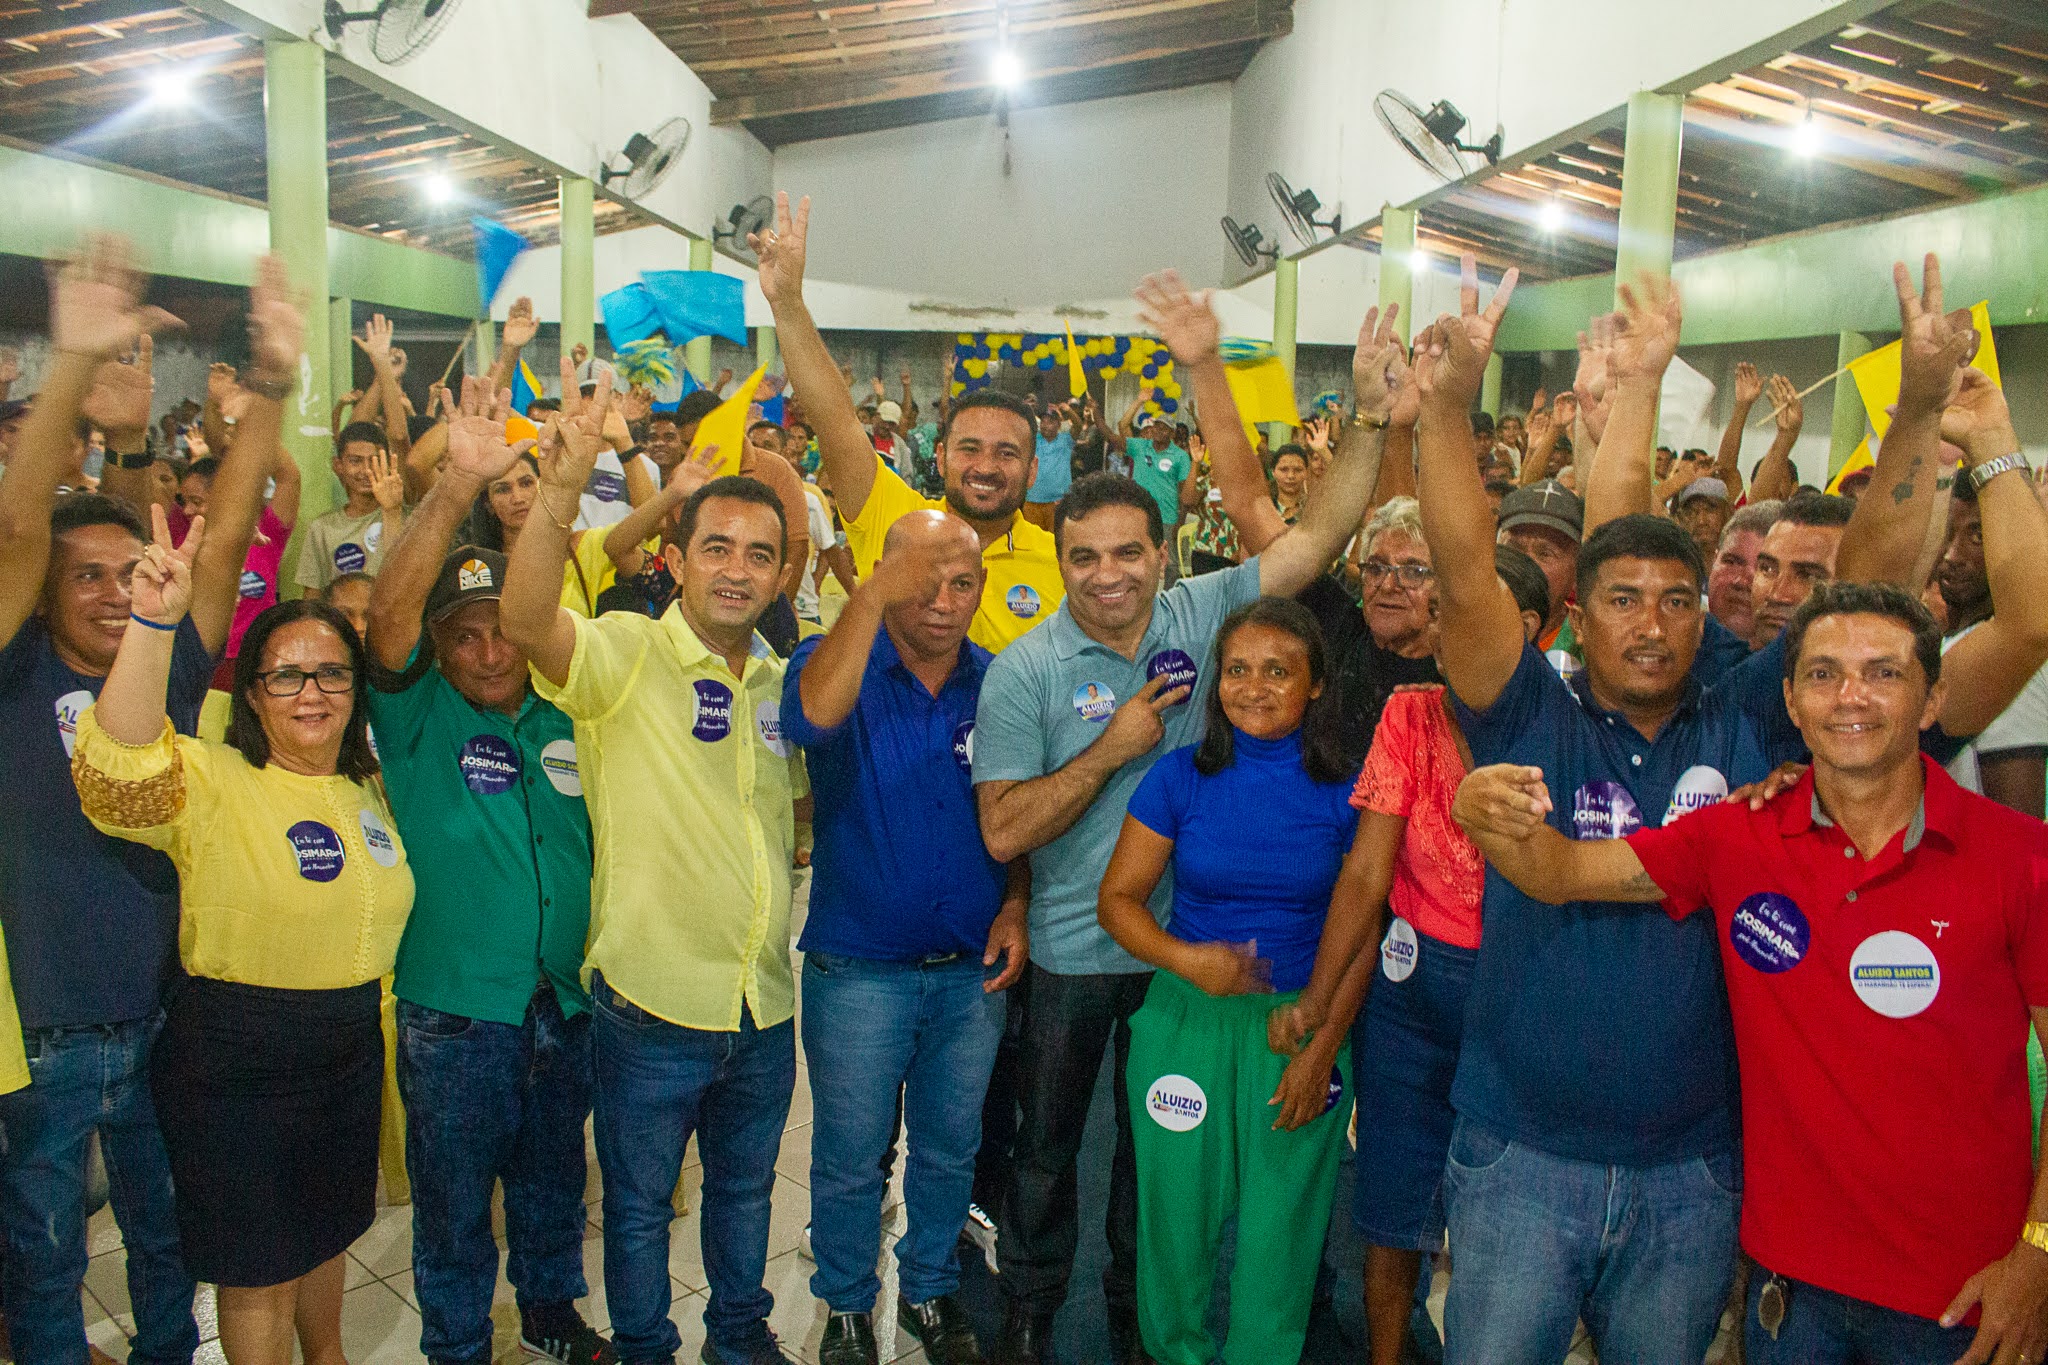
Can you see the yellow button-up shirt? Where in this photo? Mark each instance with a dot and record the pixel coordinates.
(1023, 586)
(689, 783)
(284, 880)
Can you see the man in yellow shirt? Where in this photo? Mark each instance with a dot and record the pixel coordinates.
(987, 453)
(690, 784)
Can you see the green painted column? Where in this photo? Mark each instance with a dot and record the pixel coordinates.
(1489, 387)
(1649, 185)
(1286, 314)
(1852, 424)
(579, 264)
(767, 352)
(1397, 264)
(295, 129)
(341, 348)
(697, 353)
(484, 348)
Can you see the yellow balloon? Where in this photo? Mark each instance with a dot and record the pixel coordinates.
(976, 368)
(1169, 388)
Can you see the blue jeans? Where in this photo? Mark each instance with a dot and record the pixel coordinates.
(486, 1101)
(656, 1083)
(870, 1027)
(81, 1079)
(1643, 1253)
(1822, 1327)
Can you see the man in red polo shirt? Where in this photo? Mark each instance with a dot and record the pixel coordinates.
(1884, 942)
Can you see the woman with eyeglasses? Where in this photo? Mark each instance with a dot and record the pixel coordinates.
(293, 886)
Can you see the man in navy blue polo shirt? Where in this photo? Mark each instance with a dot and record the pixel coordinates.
(908, 916)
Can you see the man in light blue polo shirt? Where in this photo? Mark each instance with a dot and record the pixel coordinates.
(1072, 716)
(1055, 463)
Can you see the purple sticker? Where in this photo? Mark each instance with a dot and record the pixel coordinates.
(1176, 667)
(714, 711)
(606, 486)
(963, 745)
(1604, 810)
(489, 765)
(253, 585)
(1335, 1094)
(318, 850)
(349, 557)
(1769, 932)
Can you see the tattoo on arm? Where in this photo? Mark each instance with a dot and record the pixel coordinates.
(1903, 490)
(1642, 885)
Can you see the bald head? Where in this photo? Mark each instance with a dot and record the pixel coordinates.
(933, 531)
(932, 561)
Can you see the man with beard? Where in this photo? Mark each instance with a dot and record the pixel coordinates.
(986, 448)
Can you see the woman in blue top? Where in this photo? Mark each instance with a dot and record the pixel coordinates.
(1255, 822)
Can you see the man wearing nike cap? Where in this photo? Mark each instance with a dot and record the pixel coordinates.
(494, 1024)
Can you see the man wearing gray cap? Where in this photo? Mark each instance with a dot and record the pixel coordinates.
(1703, 507)
(1546, 521)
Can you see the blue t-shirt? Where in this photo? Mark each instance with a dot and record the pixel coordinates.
(1055, 468)
(91, 920)
(899, 871)
(1595, 1031)
(1256, 849)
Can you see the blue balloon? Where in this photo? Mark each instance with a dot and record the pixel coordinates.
(1045, 363)
(981, 351)
(1168, 404)
(1150, 372)
(1122, 344)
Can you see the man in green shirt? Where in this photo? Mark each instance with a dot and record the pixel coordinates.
(493, 1022)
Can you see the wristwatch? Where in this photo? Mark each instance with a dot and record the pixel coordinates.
(1368, 422)
(2035, 1235)
(276, 388)
(140, 459)
(1991, 469)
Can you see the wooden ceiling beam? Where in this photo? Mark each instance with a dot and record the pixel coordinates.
(1932, 125)
(1880, 152)
(20, 64)
(1929, 86)
(49, 23)
(1940, 43)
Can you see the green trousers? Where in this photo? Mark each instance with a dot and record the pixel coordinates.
(1200, 1077)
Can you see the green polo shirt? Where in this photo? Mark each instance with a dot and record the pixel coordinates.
(494, 806)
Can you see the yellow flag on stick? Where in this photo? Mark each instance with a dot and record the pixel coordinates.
(1263, 391)
(725, 426)
(1877, 374)
(1077, 378)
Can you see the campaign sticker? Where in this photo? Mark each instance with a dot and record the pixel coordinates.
(252, 585)
(558, 762)
(473, 576)
(373, 535)
(606, 486)
(1335, 1094)
(1769, 932)
(1895, 974)
(489, 765)
(1177, 667)
(713, 717)
(70, 707)
(1567, 667)
(1398, 950)
(1176, 1103)
(1094, 701)
(1022, 600)
(377, 838)
(1604, 810)
(318, 850)
(768, 720)
(963, 745)
(349, 557)
(1698, 787)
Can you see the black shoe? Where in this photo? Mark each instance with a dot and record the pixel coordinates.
(558, 1331)
(1026, 1340)
(942, 1327)
(767, 1353)
(849, 1340)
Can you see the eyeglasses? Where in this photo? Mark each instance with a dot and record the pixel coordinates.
(332, 679)
(1407, 575)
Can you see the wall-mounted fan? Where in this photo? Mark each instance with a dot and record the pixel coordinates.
(403, 26)
(1248, 242)
(649, 157)
(1432, 136)
(1298, 209)
(744, 221)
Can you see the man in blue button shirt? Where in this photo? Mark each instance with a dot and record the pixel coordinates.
(908, 916)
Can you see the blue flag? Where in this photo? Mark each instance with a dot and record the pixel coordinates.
(629, 315)
(525, 388)
(496, 248)
(689, 386)
(695, 303)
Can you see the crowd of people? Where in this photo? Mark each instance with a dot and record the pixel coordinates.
(1320, 790)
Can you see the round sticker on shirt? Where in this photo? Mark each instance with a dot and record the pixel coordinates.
(1895, 974)
(558, 762)
(768, 720)
(963, 745)
(1698, 787)
(252, 585)
(606, 486)
(373, 535)
(318, 849)
(1769, 932)
(1094, 701)
(1177, 667)
(377, 838)
(1176, 1103)
(70, 707)
(1022, 600)
(490, 766)
(349, 557)
(1398, 950)
(1604, 810)
(1335, 1094)
(713, 720)
(1166, 464)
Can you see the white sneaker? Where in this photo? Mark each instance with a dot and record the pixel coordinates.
(980, 1229)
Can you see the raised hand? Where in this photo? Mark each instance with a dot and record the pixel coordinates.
(1934, 346)
(96, 307)
(1461, 345)
(570, 442)
(161, 590)
(1135, 728)
(220, 384)
(387, 484)
(1379, 364)
(1596, 346)
(375, 342)
(1538, 424)
(695, 470)
(119, 400)
(1749, 385)
(1786, 408)
(1977, 419)
(880, 390)
(277, 322)
(476, 432)
(399, 360)
(779, 250)
(636, 403)
(1646, 329)
(913, 573)
(1184, 321)
(903, 377)
(521, 327)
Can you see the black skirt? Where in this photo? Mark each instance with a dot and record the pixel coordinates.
(269, 1101)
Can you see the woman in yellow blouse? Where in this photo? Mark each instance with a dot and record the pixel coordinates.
(294, 890)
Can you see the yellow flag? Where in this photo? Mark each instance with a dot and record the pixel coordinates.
(1264, 392)
(1077, 379)
(1877, 374)
(1859, 458)
(725, 426)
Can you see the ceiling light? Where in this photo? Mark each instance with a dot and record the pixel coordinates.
(438, 188)
(1806, 137)
(1008, 69)
(171, 86)
(1418, 261)
(1551, 216)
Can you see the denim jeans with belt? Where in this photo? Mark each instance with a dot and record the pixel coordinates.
(871, 1027)
(81, 1079)
(486, 1101)
(656, 1083)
